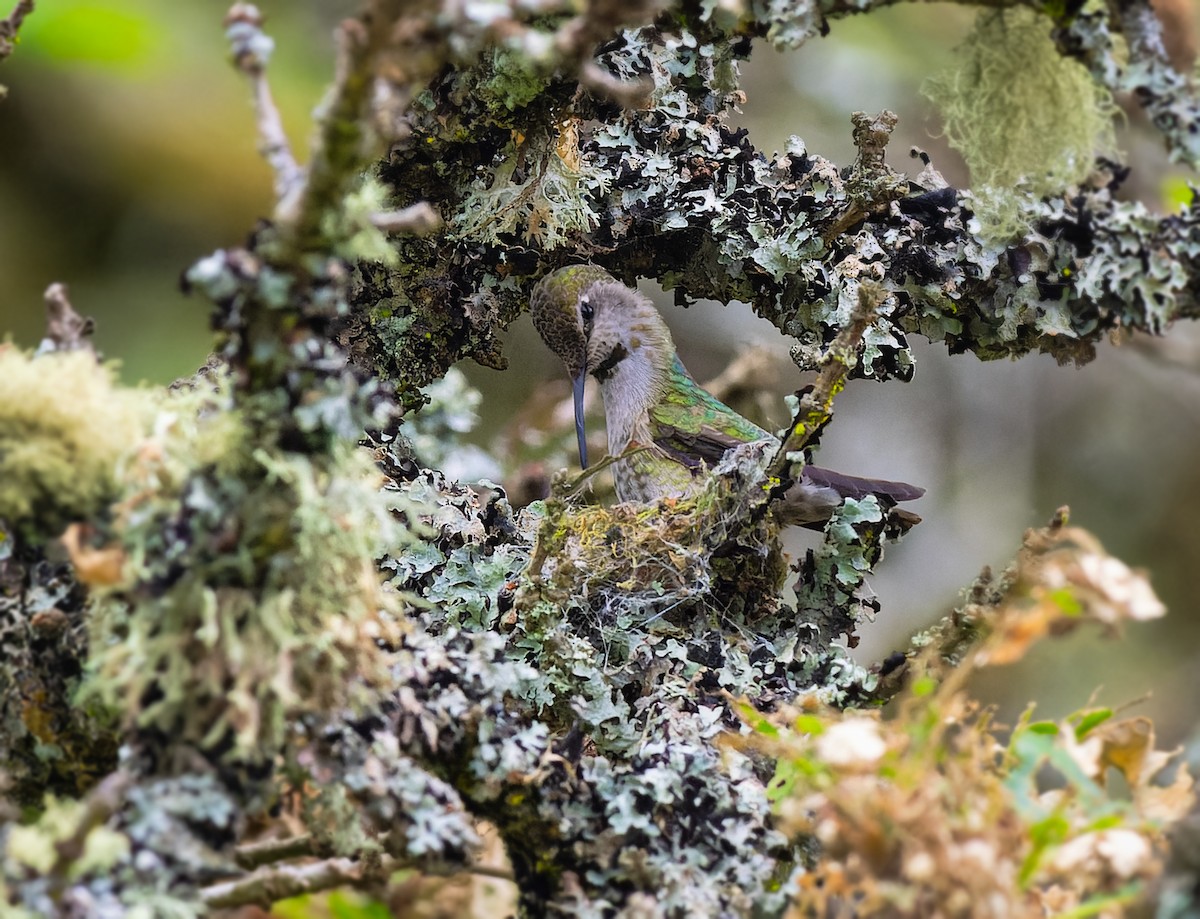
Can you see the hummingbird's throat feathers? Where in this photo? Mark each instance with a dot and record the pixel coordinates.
(629, 352)
(609, 364)
(620, 322)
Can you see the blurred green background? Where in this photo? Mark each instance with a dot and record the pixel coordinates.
(127, 151)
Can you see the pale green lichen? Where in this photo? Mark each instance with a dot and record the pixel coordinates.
(65, 425)
(36, 845)
(1024, 118)
(517, 76)
(259, 565)
(548, 205)
(350, 226)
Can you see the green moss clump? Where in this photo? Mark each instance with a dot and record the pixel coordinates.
(65, 426)
(625, 559)
(1024, 117)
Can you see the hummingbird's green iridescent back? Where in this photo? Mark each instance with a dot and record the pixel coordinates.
(690, 430)
(692, 423)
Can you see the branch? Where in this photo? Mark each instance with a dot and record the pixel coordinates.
(251, 51)
(66, 330)
(265, 887)
(1169, 98)
(671, 195)
(340, 150)
(420, 219)
(10, 24)
(816, 405)
(872, 184)
(268, 851)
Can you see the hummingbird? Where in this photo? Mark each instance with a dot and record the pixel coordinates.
(664, 428)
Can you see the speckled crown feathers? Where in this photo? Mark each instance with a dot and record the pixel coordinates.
(552, 305)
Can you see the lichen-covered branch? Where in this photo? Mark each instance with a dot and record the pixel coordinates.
(1171, 99)
(667, 191)
(271, 622)
(815, 407)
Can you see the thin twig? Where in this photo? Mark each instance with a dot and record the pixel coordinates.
(816, 406)
(267, 886)
(630, 94)
(420, 219)
(10, 24)
(264, 887)
(66, 330)
(268, 851)
(251, 51)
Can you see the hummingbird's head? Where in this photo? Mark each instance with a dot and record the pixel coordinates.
(593, 322)
(558, 314)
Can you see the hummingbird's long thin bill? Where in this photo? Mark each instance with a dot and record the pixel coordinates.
(580, 432)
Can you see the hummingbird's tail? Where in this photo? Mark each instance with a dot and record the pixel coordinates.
(812, 500)
(851, 486)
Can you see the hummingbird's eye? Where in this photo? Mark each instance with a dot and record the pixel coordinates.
(586, 313)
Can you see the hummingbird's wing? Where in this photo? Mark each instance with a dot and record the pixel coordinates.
(694, 427)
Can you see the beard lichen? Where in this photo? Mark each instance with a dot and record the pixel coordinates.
(1027, 120)
(242, 599)
(64, 426)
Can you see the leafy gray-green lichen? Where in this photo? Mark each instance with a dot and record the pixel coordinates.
(622, 668)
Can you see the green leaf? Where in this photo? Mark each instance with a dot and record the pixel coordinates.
(809, 724)
(1043, 727)
(1066, 601)
(1044, 834)
(1091, 720)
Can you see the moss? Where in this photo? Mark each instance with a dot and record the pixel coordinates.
(625, 559)
(65, 426)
